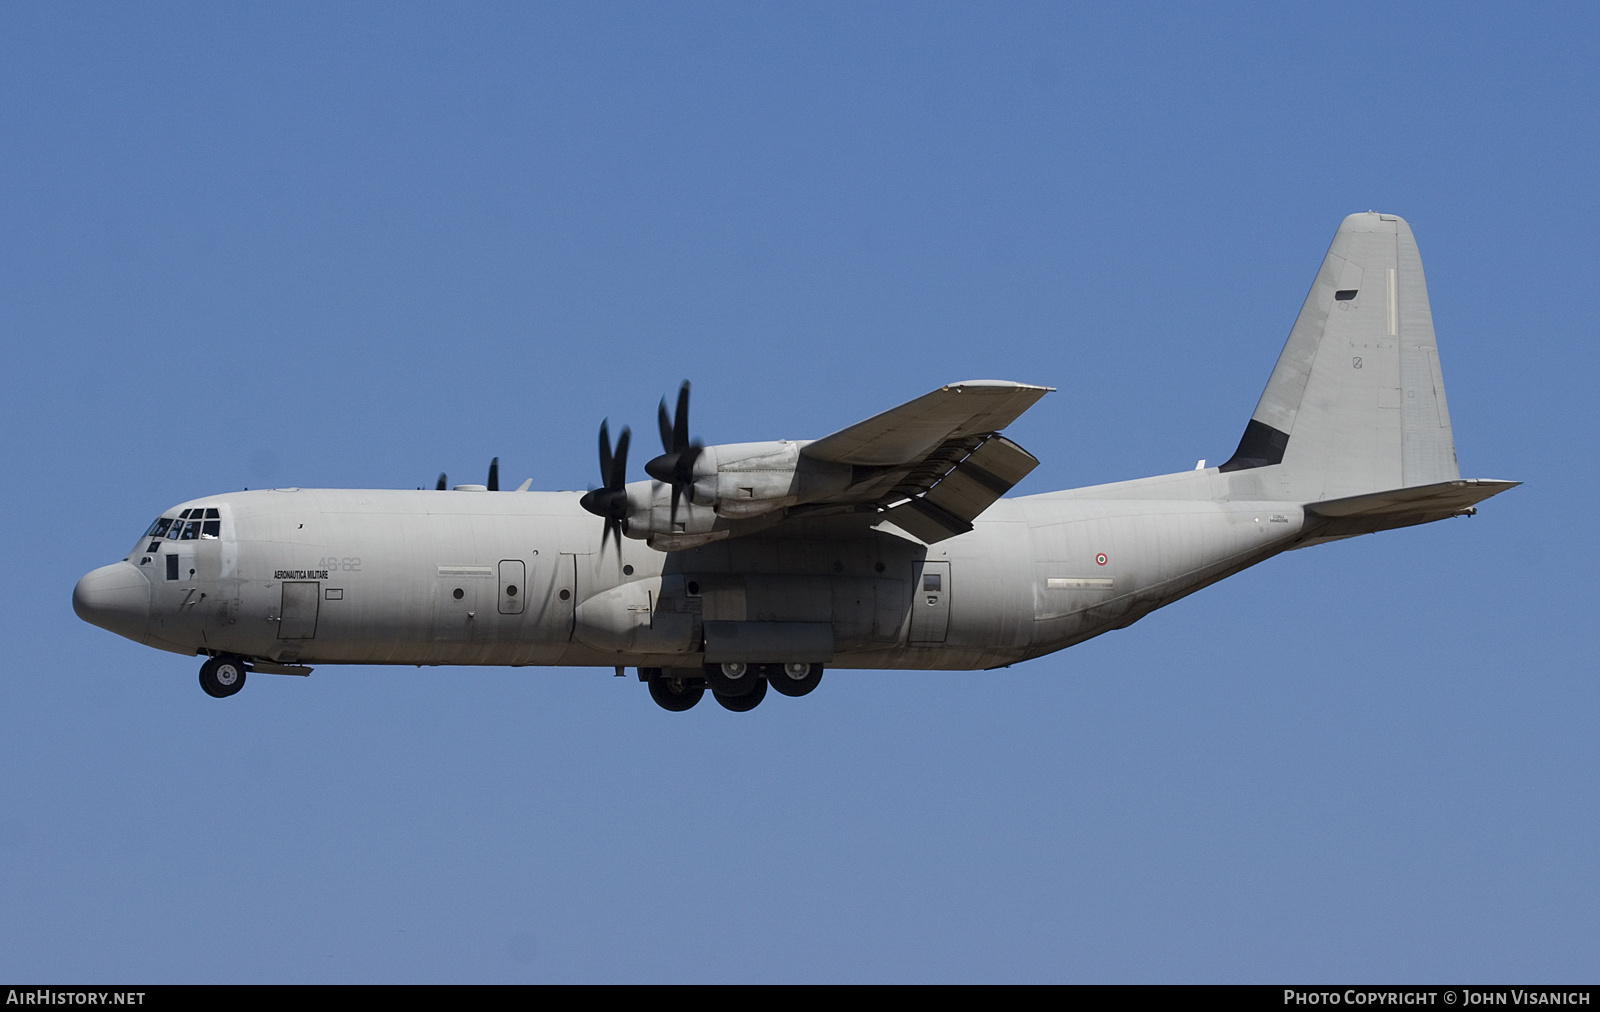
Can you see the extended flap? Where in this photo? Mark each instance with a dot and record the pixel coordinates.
(989, 473)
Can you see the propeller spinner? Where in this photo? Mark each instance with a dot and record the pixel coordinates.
(675, 467)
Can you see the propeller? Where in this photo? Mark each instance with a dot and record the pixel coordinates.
(675, 467)
(610, 501)
(493, 484)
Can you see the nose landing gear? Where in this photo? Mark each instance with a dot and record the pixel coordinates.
(222, 676)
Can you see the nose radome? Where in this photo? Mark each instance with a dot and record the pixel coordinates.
(115, 597)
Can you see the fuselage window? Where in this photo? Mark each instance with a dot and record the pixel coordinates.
(172, 567)
(212, 514)
(191, 530)
(212, 529)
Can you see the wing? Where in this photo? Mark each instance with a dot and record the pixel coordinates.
(915, 429)
(930, 466)
(933, 464)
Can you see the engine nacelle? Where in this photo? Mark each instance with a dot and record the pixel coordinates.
(744, 480)
(651, 518)
(733, 484)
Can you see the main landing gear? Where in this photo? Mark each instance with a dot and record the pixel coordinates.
(795, 678)
(735, 685)
(751, 698)
(222, 676)
(674, 693)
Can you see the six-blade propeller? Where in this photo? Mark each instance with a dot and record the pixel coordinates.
(610, 501)
(675, 467)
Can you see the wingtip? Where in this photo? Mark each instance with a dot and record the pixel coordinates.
(995, 385)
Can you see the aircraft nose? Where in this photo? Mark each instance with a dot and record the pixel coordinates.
(115, 597)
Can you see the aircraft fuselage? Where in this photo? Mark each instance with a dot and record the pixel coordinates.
(308, 576)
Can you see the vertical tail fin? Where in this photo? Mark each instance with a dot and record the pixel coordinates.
(1356, 403)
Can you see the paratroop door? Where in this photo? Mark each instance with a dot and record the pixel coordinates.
(930, 603)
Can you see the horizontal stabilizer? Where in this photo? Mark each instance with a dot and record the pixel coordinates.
(909, 432)
(1403, 507)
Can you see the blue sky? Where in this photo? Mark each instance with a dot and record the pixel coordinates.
(362, 244)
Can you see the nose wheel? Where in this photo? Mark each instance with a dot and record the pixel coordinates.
(222, 676)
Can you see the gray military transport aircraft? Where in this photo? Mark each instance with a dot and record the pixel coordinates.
(885, 545)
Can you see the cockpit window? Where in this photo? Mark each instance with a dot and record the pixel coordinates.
(198, 523)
